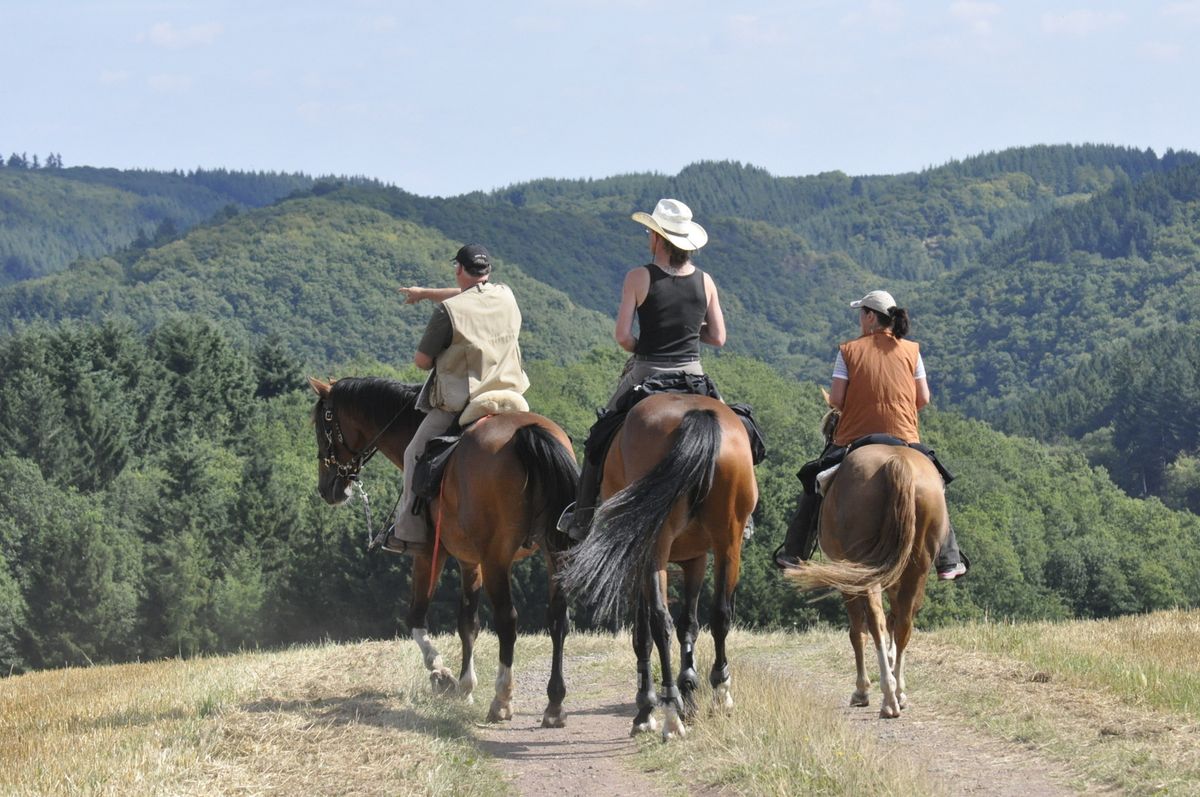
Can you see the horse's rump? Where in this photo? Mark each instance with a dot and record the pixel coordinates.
(510, 470)
(880, 512)
(674, 451)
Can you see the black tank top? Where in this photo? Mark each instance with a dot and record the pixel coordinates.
(670, 318)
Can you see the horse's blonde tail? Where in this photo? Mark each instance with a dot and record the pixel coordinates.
(886, 561)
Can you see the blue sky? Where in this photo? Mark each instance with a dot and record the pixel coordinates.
(440, 98)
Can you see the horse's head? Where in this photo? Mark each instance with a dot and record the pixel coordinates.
(830, 420)
(337, 440)
(352, 421)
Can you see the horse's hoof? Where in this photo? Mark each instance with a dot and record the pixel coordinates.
(650, 725)
(902, 700)
(723, 696)
(499, 712)
(860, 699)
(443, 681)
(554, 717)
(889, 712)
(673, 727)
(688, 681)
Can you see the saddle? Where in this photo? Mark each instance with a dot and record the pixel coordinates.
(431, 465)
(817, 475)
(607, 422)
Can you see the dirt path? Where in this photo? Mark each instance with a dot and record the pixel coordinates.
(590, 756)
(594, 754)
(957, 757)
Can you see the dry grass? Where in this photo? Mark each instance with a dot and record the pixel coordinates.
(1113, 701)
(1113, 705)
(780, 738)
(356, 719)
(1146, 660)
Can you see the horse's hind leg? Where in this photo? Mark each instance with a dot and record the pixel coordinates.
(877, 623)
(689, 628)
(655, 589)
(556, 615)
(905, 601)
(856, 609)
(725, 578)
(504, 613)
(468, 627)
(643, 643)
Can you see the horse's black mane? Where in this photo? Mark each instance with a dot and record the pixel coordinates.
(377, 398)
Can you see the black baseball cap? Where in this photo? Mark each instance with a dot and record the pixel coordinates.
(474, 258)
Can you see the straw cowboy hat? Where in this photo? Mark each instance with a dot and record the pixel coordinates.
(673, 220)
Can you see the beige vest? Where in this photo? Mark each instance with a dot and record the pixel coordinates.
(881, 396)
(483, 355)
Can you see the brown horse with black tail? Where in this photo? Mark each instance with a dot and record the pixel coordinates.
(882, 522)
(503, 489)
(678, 482)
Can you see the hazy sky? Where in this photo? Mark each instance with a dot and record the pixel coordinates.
(446, 97)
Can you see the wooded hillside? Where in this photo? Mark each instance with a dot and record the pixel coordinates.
(156, 444)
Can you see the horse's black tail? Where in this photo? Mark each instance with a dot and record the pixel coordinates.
(612, 562)
(553, 478)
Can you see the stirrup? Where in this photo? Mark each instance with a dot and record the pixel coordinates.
(784, 561)
(388, 542)
(564, 520)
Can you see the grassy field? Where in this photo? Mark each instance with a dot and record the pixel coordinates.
(1108, 705)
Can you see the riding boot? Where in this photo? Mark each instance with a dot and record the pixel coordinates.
(801, 536)
(576, 520)
(951, 563)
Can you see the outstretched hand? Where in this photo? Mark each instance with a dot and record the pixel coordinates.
(413, 294)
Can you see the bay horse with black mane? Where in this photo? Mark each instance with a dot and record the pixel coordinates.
(678, 482)
(882, 521)
(503, 489)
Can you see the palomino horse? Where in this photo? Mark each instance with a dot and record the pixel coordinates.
(678, 483)
(503, 490)
(882, 522)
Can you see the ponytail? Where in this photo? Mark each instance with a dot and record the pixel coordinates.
(895, 319)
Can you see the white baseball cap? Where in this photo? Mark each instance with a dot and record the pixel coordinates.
(876, 300)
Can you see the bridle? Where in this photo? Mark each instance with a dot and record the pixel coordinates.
(331, 429)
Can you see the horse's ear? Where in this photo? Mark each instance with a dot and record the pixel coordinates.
(825, 395)
(319, 387)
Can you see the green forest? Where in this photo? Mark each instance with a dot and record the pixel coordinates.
(154, 423)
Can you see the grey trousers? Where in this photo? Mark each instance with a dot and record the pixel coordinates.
(410, 527)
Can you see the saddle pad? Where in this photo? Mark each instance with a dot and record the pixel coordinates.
(825, 477)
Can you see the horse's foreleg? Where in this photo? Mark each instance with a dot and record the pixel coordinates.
(655, 590)
(689, 628)
(643, 643)
(499, 590)
(556, 688)
(468, 628)
(426, 569)
(877, 622)
(725, 577)
(856, 610)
